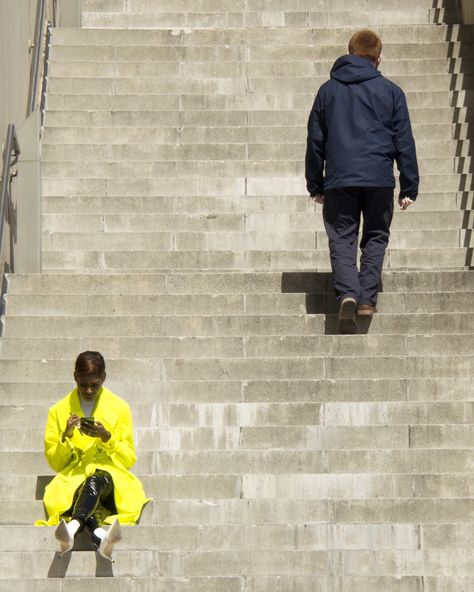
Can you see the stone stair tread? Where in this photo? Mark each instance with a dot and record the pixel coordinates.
(211, 205)
(243, 347)
(416, 259)
(235, 85)
(417, 99)
(273, 436)
(232, 302)
(251, 240)
(235, 281)
(234, 325)
(207, 392)
(313, 367)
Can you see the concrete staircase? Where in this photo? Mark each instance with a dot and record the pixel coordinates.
(179, 241)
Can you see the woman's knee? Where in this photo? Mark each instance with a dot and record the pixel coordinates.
(92, 484)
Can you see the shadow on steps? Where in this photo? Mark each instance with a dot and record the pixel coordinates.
(461, 67)
(59, 565)
(320, 298)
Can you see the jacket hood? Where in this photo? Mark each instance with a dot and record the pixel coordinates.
(352, 69)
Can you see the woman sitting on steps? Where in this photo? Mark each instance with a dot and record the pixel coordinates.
(89, 442)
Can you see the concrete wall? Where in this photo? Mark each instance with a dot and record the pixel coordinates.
(17, 30)
(17, 27)
(468, 11)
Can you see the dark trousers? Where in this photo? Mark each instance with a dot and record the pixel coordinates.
(96, 488)
(342, 211)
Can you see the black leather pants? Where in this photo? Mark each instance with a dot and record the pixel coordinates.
(96, 488)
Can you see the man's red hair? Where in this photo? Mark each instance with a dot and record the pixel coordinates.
(366, 44)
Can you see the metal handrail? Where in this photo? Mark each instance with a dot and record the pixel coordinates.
(55, 13)
(11, 153)
(46, 18)
(35, 63)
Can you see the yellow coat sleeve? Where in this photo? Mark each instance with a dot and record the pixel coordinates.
(58, 454)
(121, 447)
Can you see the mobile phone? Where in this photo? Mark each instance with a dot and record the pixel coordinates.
(87, 421)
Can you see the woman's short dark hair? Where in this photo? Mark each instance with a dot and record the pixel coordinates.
(90, 362)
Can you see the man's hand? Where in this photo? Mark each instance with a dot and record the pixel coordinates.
(96, 430)
(404, 202)
(318, 198)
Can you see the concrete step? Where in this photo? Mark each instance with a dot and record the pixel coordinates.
(430, 510)
(129, 261)
(268, 465)
(149, 7)
(159, 118)
(448, 175)
(269, 438)
(252, 53)
(154, 368)
(226, 240)
(262, 160)
(290, 36)
(437, 151)
(235, 583)
(296, 101)
(248, 303)
(171, 242)
(417, 282)
(206, 392)
(215, 186)
(107, 326)
(264, 165)
(77, 565)
(211, 205)
(225, 537)
(229, 438)
(234, 325)
(443, 131)
(21, 463)
(238, 85)
(318, 425)
(373, 537)
(243, 347)
(237, 222)
(269, 18)
(267, 567)
(238, 67)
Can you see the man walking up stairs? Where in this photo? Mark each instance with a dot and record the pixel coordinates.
(358, 127)
(179, 241)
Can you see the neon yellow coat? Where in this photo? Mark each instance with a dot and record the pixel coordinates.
(79, 456)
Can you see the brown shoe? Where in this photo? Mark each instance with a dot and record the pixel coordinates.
(347, 320)
(366, 310)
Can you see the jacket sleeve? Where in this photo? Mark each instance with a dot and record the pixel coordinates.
(58, 454)
(315, 148)
(120, 445)
(405, 154)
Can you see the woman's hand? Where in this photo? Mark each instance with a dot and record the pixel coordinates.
(72, 422)
(96, 430)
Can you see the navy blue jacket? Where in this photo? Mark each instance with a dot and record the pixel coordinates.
(358, 126)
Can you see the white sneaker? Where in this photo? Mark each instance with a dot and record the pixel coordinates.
(64, 537)
(113, 536)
